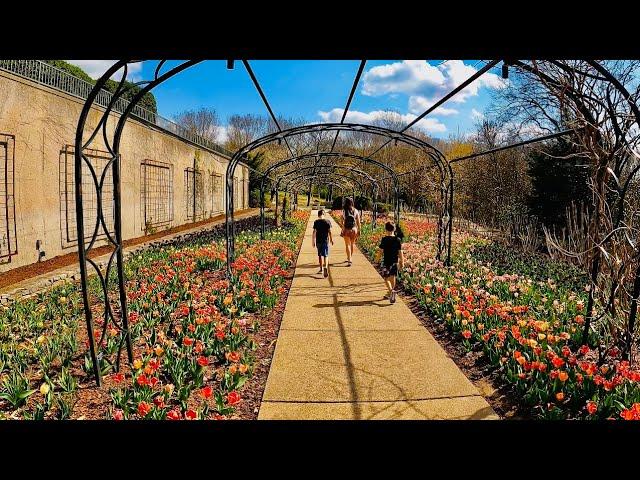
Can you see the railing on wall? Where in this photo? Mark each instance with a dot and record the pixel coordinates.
(45, 74)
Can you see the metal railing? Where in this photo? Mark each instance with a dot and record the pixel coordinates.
(46, 74)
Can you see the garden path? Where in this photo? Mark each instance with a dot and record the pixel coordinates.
(344, 352)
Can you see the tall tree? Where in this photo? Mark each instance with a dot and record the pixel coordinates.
(203, 121)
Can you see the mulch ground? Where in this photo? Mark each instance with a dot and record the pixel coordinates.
(33, 270)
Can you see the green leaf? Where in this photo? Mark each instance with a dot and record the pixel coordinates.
(27, 394)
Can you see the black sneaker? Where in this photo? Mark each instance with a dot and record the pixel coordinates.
(326, 272)
(392, 298)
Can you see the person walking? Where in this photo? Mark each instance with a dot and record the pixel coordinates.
(350, 227)
(391, 248)
(321, 238)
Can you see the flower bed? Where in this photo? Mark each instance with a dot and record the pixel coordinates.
(191, 327)
(528, 327)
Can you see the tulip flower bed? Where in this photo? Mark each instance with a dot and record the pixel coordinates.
(525, 316)
(193, 332)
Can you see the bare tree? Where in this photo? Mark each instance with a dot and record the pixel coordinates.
(244, 129)
(203, 122)
(555, 95)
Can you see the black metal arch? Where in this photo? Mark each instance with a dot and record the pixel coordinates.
(446, 173)
(339, 180)
(328, 171)
(330, 154)
(115, 238)
(310, 176)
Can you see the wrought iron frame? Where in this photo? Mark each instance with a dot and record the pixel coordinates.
(112, 144)
(330, 167)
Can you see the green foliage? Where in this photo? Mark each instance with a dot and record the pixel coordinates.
(148, 101)
(254, 198)
(72, 69)
(255, 161)
(384, 208)
(337, 203)
(363, 203)
(557, 183)
(538, 267)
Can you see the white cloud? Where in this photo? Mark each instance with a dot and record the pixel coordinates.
(420, 78)
(419, 104)
(430, 125)
(476, 115)
(96, 68)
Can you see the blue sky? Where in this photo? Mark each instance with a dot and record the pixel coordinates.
(317, 90)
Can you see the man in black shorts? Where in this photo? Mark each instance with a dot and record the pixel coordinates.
(391, 248)
(321, 237)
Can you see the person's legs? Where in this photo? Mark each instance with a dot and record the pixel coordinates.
(347, 241)
(393, 271)
(320, 263)
(387, 282)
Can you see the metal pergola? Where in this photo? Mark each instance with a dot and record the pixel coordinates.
(322, 157)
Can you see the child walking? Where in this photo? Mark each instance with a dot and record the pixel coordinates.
(321, 238)
(391, 247)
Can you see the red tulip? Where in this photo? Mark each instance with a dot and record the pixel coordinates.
(592, 407)
(118, 415)
(203, 361)
(118, 377)
(207, 391)
(191, 415)
(144, 408)
(233, 398)
(174, 414)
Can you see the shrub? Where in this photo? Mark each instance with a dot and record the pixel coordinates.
(384, 208)
(363, 203)
(254, 198)
(337, 203)
(148, 101)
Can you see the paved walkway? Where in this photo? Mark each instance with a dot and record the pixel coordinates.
(345, 353)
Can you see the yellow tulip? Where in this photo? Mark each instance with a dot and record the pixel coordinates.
(137, 364)
(44, 388)
(541, 336)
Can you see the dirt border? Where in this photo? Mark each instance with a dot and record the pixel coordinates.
(26, 272)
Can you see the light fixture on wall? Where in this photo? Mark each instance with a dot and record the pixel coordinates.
(41, 253)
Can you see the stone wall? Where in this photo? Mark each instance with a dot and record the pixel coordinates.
(37, 128)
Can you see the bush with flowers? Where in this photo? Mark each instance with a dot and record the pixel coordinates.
(525, 317)
(191, 328)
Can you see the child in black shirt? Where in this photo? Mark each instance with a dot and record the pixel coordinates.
(391, 248)
(321, 237)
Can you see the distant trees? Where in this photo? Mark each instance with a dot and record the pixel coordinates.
(148, 101)
(203, 121)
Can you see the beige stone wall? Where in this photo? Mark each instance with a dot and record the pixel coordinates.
(42, 122)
